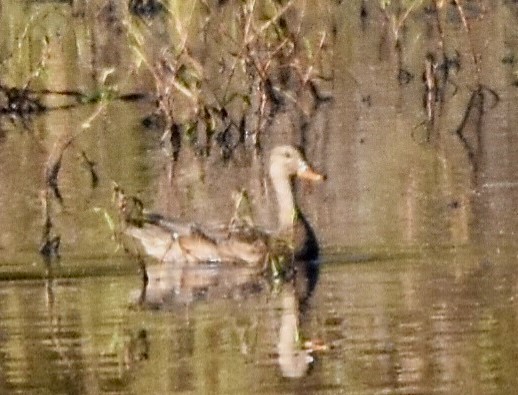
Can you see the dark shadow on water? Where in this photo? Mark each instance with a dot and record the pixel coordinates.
(305, 279)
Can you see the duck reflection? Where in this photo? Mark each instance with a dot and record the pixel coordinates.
(294, 360)
(165, 286)
(169, 286)
(295, 355)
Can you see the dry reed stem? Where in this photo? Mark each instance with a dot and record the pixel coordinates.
(467, 27)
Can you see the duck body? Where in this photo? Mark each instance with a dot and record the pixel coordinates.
(194, 244)
(169, 240)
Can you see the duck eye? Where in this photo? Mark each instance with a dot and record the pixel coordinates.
(287, 154)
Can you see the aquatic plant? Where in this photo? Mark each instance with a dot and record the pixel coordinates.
(260, 54)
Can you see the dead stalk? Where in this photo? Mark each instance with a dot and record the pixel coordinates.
(431, 89)
(467, 27)
(271, 21)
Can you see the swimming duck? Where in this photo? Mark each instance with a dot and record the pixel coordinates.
(187, 243)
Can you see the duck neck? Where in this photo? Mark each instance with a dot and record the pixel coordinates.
(287, 209)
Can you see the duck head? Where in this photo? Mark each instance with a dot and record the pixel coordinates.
(287, 161)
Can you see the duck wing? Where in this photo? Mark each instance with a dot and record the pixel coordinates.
(171, 240)
(174, 226)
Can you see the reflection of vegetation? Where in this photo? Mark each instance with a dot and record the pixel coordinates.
(438, 68)
(128, 348)
(21, 101)
(49, 246)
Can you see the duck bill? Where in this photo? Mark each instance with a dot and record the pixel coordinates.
(307, 173)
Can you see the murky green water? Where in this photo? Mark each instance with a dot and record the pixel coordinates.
(442, 322)
(417, 290)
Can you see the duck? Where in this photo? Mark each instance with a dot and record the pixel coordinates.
(172, 241)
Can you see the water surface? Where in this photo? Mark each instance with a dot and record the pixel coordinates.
(417, 288)
(440, 322)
